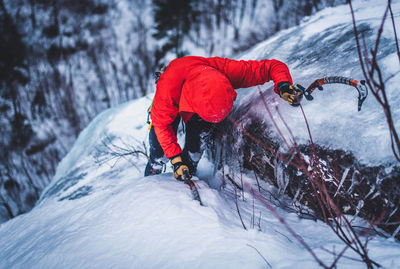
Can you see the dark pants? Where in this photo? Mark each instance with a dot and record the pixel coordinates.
(196, 129)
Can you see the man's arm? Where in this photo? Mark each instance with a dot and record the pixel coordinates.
(244, 74)
(164, 112)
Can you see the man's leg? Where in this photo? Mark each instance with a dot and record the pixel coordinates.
(196, 129)
(157, 159)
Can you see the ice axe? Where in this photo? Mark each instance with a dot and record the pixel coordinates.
(317, 84)
(187, 180)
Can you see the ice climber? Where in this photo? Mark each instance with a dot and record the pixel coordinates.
(201, 92)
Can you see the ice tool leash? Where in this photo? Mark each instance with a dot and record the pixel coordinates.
(193, 188)
(317, 84)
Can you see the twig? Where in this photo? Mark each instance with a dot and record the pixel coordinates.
(394, 29)
(344, 256)
(287, 226)
(233, 182)
(259, 253)
(287, 237)
(237, 208)
(377, 87)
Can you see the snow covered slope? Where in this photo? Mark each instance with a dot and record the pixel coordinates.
(324, 45)
(100, 212)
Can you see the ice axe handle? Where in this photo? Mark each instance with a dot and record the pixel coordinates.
(186, 174)
(187, 178)
(193, 188)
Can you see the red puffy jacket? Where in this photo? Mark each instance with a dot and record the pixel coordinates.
(205, 86)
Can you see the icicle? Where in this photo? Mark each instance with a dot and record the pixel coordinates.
(281, 179)
(297, 193)
(353, 181)
(370, 191)
(392, 213)
(378, 186)
(268, 160)
(376, 194)
(359, 206)
(346, 171)
(396, 231)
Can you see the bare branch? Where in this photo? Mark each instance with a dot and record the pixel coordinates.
(237, 208)
(394, 29)
(259, 253)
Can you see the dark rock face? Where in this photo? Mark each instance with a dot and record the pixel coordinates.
(370, 192)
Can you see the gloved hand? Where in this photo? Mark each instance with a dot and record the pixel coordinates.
(288, 93)
(180, 168)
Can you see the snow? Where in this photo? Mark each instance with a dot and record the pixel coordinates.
(107, 215)
(100, 212)
(324, 45)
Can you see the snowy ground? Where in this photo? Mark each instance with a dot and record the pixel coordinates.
(107, 215)
(100, 212)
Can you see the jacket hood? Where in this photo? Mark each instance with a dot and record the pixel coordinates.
(210, 94)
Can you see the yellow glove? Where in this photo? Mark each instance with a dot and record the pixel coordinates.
(181, 170)
(288, 93)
